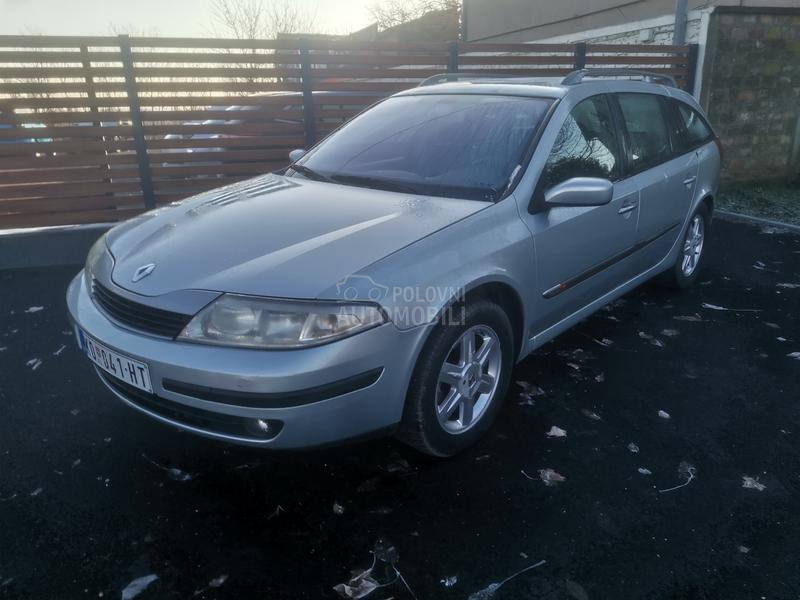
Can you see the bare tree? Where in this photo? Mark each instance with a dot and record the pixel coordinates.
(260, 19)
(388, 13)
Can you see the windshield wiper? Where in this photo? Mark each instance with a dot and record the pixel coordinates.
(310, 173)
(374, 182)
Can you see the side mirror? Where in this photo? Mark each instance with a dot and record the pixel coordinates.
(580, 191)
(296, 155)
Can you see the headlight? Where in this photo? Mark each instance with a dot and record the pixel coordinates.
(253, 322)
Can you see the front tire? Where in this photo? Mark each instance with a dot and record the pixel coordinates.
(459, 382)
(687, 266)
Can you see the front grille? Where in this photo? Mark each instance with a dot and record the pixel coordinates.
(139, 316)
(178, 413)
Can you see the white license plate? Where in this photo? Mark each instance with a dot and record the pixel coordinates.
(118, 365)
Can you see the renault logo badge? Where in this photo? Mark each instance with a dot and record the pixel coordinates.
(143, 272)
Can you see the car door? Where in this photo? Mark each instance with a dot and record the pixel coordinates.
(582, 252)
(664, 174)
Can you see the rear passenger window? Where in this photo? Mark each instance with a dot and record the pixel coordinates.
(647, 131)
(695, 129)
(586, 146)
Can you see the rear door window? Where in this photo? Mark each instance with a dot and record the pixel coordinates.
(586, 146)
(646, 128)
(695, 130)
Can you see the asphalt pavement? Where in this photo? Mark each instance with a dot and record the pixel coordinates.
(678, 475)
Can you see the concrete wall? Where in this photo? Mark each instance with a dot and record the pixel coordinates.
(535, 20)
(49, 246)
(751, 91)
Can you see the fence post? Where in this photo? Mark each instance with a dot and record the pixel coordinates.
(692, 67)
(145, 176)
(309, 118)
(452, 56)
(580, 55)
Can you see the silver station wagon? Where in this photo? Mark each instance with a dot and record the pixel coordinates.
(391, 277)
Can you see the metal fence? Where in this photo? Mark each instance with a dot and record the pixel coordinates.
(96, 129)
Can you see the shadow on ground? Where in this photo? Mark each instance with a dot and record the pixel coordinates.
(87, 503)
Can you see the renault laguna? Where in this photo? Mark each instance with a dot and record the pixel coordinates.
(389, 279)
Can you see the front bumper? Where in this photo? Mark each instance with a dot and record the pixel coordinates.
(290, 388)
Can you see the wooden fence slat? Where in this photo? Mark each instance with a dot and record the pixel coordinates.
(62, 190)
(69, 217)
(42, 205)
(61, 57)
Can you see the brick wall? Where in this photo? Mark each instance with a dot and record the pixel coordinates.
(751, 91)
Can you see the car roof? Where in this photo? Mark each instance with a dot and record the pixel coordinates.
(540, 87)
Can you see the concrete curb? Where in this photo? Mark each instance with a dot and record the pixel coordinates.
(739, 217)
(48, 246)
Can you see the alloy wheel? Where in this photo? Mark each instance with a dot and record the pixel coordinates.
(693, 245)
(468, 379)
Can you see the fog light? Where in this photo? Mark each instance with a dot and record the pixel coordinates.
(261, 428)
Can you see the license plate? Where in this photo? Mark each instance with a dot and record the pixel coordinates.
(118, 365)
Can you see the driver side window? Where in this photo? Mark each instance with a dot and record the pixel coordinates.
(586, 146)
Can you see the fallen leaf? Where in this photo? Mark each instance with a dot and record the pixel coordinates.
(752, 483)
(789, 286)
(645, 336)
(670, 332)
(530, 389)
(489, 591)
(360, 585)
(34, 309)
(695, 318)
(794, 355)
(600, 377)
(556, 432)
(338, 509)
(773, 325)
(397, 464)
(34, 363)
(550, 477)
(218, 581)
(657, 342)
(663, 414)
(449, 581)
(722, 308)
(744, 549)
(178, 475)
(591, 414)
(643, 471)
(137, 586)
(633, 447)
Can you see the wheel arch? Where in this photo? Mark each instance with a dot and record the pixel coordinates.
(506, 296)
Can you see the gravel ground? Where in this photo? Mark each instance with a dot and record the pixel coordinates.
(769, 201)
(94, 496)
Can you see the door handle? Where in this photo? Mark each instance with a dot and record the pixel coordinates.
(628, 206)
(690, 180)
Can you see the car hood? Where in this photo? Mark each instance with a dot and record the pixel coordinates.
(273, 236)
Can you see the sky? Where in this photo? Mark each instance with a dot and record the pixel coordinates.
(184, 18)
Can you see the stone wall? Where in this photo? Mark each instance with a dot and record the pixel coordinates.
(751, 91)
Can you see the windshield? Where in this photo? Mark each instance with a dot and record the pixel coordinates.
(458, 146)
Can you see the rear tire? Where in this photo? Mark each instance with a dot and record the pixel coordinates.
(691, 252)
(459, 382)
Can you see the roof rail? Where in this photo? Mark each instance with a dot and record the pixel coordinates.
(450, 77)
(578, 76)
